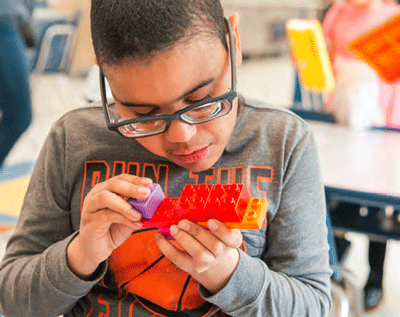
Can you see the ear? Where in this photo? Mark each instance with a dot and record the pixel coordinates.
(234, 20)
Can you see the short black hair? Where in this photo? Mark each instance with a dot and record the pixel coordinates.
(138, 29)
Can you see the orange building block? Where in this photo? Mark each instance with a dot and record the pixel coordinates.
(253, 218)
(380, 48)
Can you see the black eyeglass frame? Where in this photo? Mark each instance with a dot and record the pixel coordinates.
(229, 96)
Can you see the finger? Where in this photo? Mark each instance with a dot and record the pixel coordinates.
(191, 241)
(231, 237)
(126, 185)
(216, 240)
(114, 225)
(108, 200)
(145, 181)
(104, 219)
(111, 218)
(120, 232)
(181, 259)
(201, 235)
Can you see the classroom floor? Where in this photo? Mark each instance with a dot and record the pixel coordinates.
(270, 80)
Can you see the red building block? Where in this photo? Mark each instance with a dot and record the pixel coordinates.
(228, 203)
(199, 203)
(166, 215)
(253, 219)
(193, 202)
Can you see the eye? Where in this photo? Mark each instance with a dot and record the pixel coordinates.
(143, 112)
(199, 100)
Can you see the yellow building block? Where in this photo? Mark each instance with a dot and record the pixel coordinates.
(253, 218)
(310, 55)
(380, 48)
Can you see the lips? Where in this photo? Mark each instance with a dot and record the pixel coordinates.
(193, 156)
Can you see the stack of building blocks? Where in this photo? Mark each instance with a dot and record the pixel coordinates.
(380, 48)
(310, 55)
(230, 204)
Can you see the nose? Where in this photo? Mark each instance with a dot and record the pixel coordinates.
(179, 131)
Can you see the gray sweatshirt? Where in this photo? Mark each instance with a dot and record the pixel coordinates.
(283, 268)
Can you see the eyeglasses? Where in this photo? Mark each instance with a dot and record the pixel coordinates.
(199, 112)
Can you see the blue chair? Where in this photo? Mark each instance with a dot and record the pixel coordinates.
(314, 111)
(55, 43)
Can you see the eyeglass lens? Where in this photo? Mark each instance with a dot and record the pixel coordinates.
(201, 114)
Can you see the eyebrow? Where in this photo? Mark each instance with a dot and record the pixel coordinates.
(197, 87)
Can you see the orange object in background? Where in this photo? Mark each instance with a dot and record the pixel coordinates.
(380, 48)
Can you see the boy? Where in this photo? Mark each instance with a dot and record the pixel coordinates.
(79, 248)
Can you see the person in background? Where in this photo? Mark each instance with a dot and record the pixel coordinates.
(15, 97)
(347, 21)
(175, 118)
(344, 23)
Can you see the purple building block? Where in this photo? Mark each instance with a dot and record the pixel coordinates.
(147, 207)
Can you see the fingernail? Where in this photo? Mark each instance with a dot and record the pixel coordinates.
(212, 225)
(184, 225)
(173, 229)
(143, 190)
(135, 213)
(146, 181)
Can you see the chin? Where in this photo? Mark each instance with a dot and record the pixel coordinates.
(199, 166)
(196, 167)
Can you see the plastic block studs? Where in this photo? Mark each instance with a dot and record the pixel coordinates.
(222, 202)
(167, 214)
(227, 203)
(199, 203)
(193, 202)
(230, 204)
(253, 218)
(147, 207)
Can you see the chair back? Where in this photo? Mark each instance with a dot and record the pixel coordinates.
(56, 43)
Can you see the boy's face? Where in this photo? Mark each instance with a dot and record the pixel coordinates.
(168, 82)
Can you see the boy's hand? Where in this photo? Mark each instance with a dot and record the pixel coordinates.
(211, 256)
(107, 220)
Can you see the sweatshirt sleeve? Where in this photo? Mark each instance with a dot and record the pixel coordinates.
(34, 276)
(293, 276)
